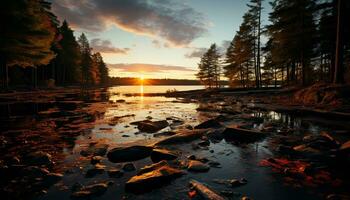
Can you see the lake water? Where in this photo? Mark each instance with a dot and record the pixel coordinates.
(51, 124)
(153, 88)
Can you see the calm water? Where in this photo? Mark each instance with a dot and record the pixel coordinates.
(236, 161)
(154, 88)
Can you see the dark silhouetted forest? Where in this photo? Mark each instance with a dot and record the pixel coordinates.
(37, 50)
(307, 42)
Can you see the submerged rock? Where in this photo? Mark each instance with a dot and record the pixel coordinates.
(128, 167)
(149, 180)
(197, 166)
(204, 191)
(162, 154)
(151, 127)
(126, 154)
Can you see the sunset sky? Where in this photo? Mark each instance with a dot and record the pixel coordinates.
(154, 38)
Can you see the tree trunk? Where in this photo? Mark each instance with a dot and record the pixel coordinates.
(258, 54)
(339, 51)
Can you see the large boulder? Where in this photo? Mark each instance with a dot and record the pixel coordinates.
(152, 179)
(127, 154)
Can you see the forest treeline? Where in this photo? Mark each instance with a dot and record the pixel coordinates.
(307, 41)
(136, 81)
(36, 49)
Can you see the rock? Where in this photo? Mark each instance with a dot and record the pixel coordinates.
(242, 135)
(126, 154)
(197, 166)
(236, 183)
(39, 158)
(211, 123)
(162, 154)
(98, 169)
(245, 198)
(151, 127)
(120, 101)
(345, 147)
(183, 136)
(128, 167)
(152, 179)
(96, 159)
(205, 192)
(152, 167)
(214, 164)
(90, 190)
(115, 173)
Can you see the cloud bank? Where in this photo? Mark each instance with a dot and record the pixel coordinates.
(106, 46)
(175, 22)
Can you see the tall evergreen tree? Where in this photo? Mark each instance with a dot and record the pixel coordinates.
(292, 35)
(209, 68)
(102, 69)
(86, 61)
(68, 57)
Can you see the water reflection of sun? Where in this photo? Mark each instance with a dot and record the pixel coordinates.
(142, 80)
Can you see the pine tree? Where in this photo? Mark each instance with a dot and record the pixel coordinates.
(209, 68)
(292, 35)
(86, 61)
(68, 57)
(102, 69)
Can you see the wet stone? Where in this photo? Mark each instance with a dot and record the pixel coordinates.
(147, 181)
(128, 167)
(197, 166)
(152, 126)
